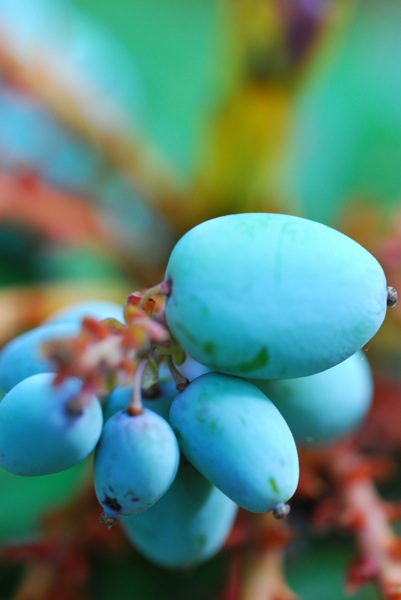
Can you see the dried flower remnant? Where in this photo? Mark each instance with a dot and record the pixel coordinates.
(107, 353)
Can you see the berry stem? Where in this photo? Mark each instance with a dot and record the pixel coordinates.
(135, 407)
(392, 296)
(181, 382)
(160, 289)
(108, 521)
(281, 511)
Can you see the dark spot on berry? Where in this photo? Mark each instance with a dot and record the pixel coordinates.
(112, 503)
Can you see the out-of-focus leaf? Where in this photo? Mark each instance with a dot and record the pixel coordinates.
(32, 138)
(77, 263)
(176, 47)
(346, 143)
(318, 571)
(124, 225)
(122, 577)
(19, 246)
(137, 229)
(53, 35)
(24, 500)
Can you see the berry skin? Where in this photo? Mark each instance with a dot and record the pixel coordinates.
(266, 296)
(187, 526)
(323, 407)
(22, 357)
(237, 439)
(135, 463)
(191, 369)
(39, 435)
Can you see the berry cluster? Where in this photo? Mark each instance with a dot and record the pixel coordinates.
(270, 312)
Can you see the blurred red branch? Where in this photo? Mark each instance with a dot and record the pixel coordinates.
(258, 544)
(56, 214)
(355, 505)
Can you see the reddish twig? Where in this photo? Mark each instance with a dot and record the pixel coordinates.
(258, 543)
(356, 506)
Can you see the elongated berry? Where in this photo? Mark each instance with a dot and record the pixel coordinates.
(272, 296)
(237, 439)
(187, 526)
(135, 463)
(39, 433)
(323, 407)
(22, 356)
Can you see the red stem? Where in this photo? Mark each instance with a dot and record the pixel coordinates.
(135, 407)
